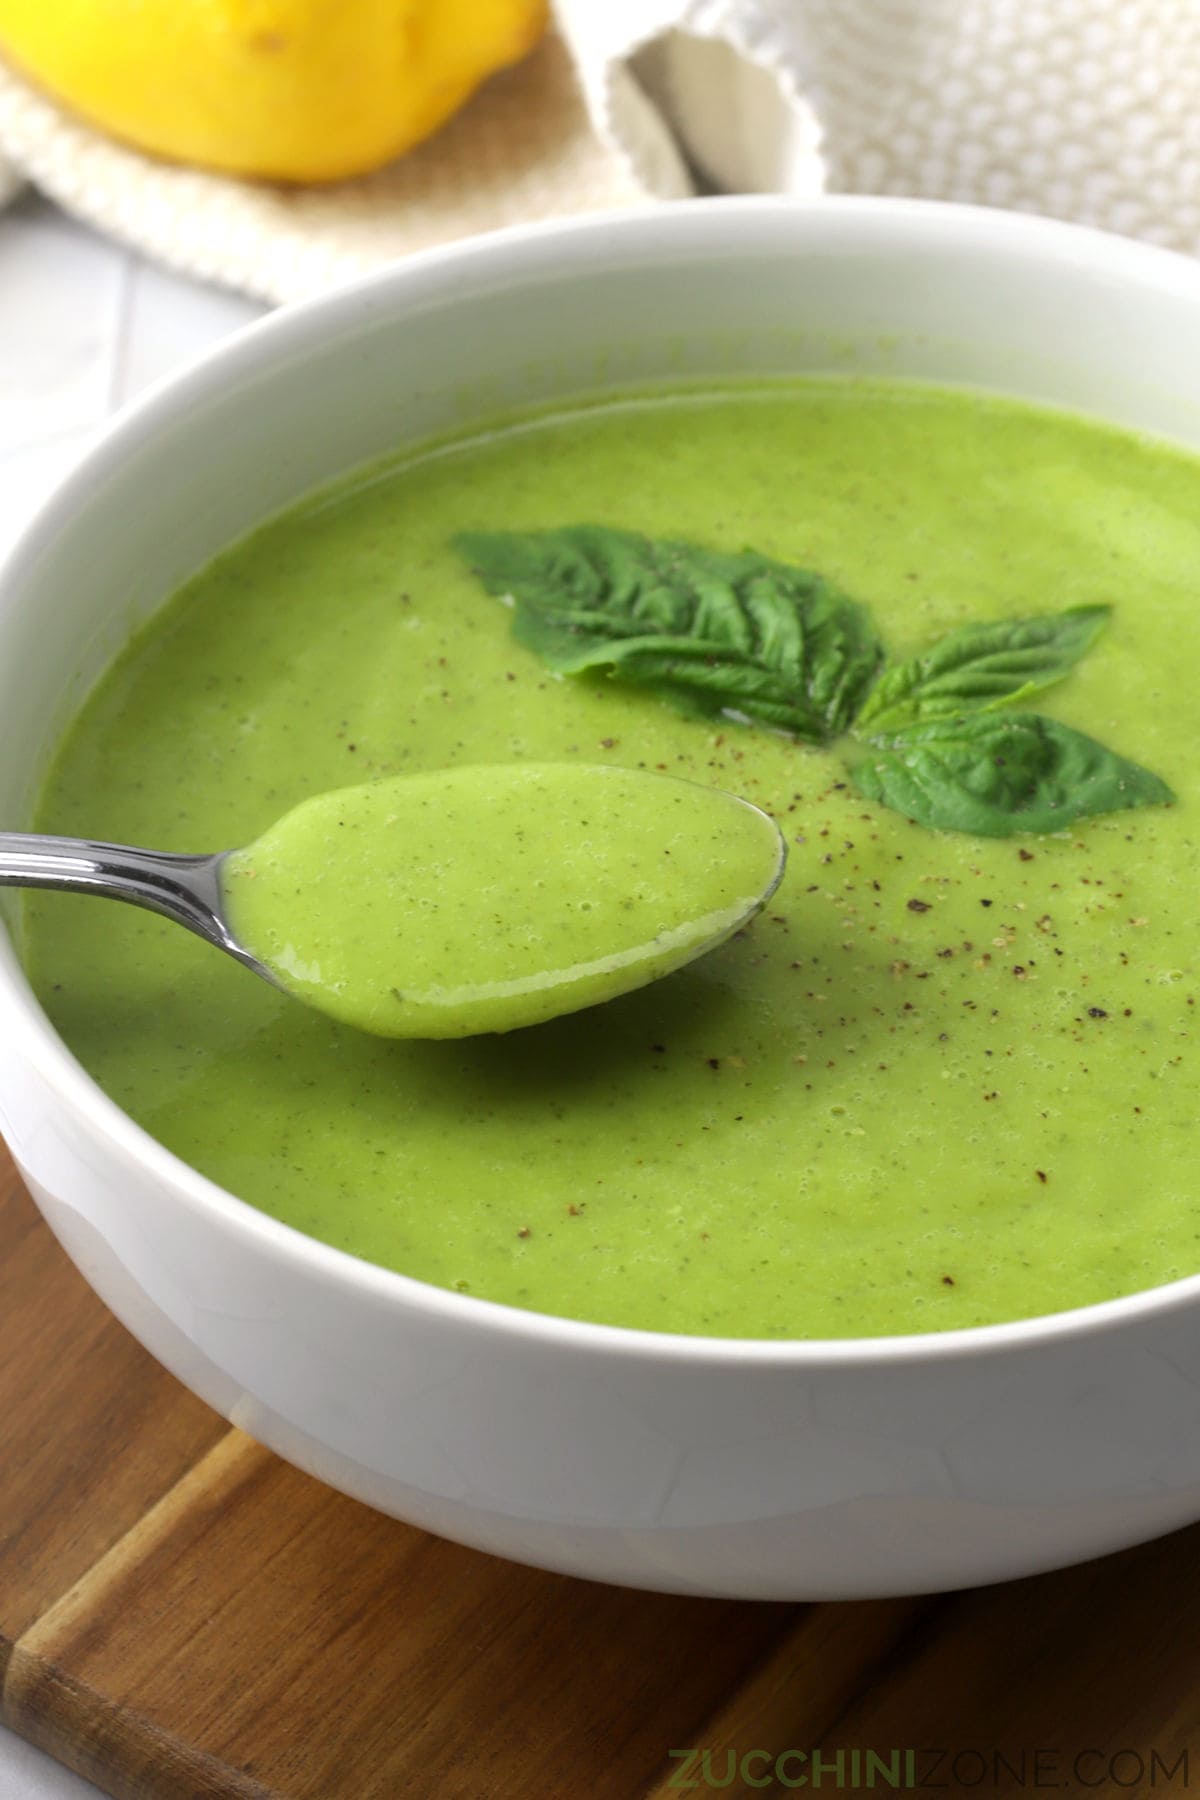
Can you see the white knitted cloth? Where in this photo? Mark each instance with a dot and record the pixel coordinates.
(1086, 109)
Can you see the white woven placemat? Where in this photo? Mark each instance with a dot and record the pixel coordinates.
(523, 149)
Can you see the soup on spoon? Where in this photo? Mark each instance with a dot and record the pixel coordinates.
(459, 902)
(483, 899)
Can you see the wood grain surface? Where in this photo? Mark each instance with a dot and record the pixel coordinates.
(183, 1617)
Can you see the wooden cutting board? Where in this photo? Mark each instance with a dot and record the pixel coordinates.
(182, 1616)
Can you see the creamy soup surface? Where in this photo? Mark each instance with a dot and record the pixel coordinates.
(944, 1080)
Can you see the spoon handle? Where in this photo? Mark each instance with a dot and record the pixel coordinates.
(186, 889)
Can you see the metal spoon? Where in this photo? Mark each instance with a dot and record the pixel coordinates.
(184, 888)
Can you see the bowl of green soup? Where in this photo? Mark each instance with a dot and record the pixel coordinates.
(858, 1257)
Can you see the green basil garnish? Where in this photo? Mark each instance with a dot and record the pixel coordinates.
(997, 774)
(981, 666)
(739, 634)
(711, 631)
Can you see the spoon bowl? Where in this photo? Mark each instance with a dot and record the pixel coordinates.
(457, 902)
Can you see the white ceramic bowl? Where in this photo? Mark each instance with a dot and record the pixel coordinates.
(759, 1469)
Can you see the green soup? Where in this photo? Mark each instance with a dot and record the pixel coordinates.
(944, 1080)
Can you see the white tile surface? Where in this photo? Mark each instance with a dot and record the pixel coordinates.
(61, 297)
(84, 324)
(168, 321)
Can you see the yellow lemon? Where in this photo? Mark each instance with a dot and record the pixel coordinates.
(291, 90)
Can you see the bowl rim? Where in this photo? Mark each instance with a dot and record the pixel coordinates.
(649, 233)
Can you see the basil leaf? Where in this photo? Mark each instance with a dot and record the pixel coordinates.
(711, 631)
(982, 666)
(997, 774)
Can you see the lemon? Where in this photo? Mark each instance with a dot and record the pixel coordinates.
(290, 90)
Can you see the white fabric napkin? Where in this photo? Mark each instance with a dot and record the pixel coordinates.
(1085, 109)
